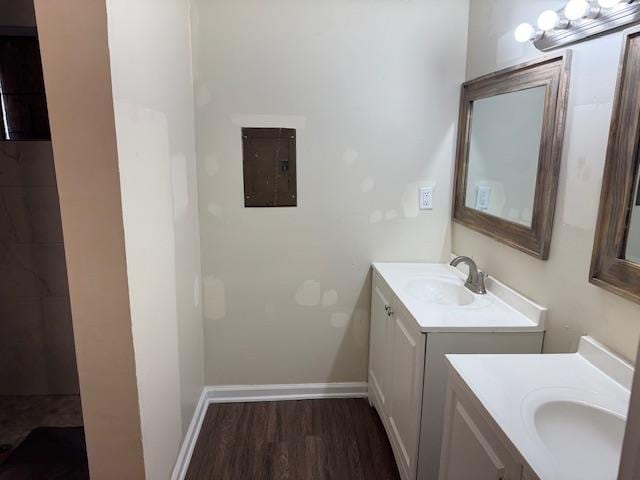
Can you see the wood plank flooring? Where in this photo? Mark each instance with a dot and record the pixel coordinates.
(294, 440)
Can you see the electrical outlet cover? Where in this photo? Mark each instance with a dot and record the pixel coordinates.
(426, 198)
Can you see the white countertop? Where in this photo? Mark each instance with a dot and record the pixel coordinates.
(512, 387)
(500, 310)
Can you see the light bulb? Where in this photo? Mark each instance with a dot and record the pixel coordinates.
(608, 3)
(524, 32)
(548, 20)
(577, 9)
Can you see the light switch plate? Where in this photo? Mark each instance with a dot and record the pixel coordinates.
(426, 198)
(483, 197)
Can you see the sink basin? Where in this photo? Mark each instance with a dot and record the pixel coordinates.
(568, 429)
(434, 295)
(440, 290)
(564, 413)
(570, 422)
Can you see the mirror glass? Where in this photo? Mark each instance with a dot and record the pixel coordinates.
(504, 148)
(633, 234)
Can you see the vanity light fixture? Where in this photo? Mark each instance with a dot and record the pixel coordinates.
(579, 20)
(526, 32)
(609, 3)
(550, 19)
(579, 9)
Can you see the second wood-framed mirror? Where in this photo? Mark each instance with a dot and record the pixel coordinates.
(615, 264)
(510, 135)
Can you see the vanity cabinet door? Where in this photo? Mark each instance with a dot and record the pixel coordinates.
(470, 449)
(405, 394)
(379, 347)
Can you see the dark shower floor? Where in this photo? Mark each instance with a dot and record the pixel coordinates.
(48, 453)
(21, 414)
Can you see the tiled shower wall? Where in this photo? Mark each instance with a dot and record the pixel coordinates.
(37, 353)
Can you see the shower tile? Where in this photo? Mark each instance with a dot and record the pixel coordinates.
(44, 214)
(51, 269)
(23, 371)
(21, 414)
(26, 164)
(21, 322)
(62, 377)
(28, 270)
(15, 222)
(18, 274)
(56, 317)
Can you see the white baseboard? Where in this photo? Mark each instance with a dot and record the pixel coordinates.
(190, 439)
(270, 393)
(257, 393)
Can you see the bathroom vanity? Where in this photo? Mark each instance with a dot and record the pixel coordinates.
(420, 313)
(530, 417)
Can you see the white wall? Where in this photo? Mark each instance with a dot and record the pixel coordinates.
(153, 100)
(561, 283)
(372, 88)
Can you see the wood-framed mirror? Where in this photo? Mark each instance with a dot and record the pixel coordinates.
(510, 135)
(615, 264)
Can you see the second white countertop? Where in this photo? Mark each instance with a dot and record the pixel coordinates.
(500, 310)
(513, 387)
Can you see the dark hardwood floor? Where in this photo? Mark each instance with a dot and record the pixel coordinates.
(295, 440)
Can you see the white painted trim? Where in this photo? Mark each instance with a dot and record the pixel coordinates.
(257, 393)
(189, 442)
(271, 393)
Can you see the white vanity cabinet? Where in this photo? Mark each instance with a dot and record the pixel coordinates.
(407, 366)
(469, 435)
(396, 365)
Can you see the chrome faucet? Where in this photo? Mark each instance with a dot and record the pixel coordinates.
(475, 280)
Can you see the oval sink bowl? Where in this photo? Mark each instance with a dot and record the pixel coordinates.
(440, 290)
(571, 429)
